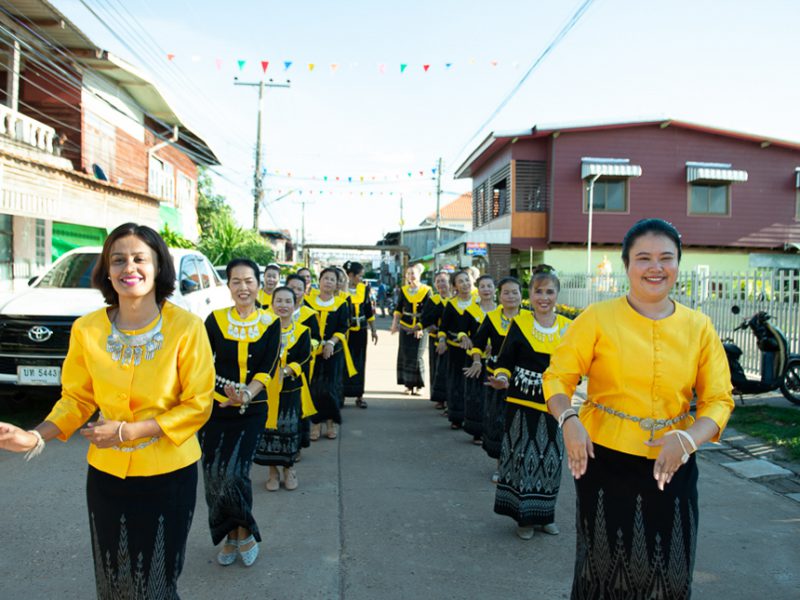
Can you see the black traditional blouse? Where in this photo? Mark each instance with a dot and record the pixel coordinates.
(244, 350)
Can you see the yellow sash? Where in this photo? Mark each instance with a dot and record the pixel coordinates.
(276, 385)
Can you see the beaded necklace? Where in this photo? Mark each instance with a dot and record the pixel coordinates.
(128, 349)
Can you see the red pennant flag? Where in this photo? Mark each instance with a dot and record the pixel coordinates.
(494, 63)
(382, 68)
(170, 56)
(219, 63)
(426, 67)
(264, 65)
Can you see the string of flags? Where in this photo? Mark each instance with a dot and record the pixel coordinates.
(417, 175)
(315, 192)
(287, 66)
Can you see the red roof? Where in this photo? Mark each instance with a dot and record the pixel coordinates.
(459, 209)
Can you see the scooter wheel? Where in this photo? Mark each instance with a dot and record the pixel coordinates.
(790, 387)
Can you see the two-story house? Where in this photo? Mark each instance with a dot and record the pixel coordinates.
(86, 142)
(566, 194)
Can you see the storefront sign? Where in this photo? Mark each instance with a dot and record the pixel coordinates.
(476, 249)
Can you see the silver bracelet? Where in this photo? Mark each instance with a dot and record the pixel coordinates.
(570, 412)
(119, 431)
(38, 448)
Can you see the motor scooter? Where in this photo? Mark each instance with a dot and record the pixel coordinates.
(780, 369)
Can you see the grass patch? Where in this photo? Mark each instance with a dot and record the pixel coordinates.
(774, 425)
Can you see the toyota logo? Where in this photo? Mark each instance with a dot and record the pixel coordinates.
(39, 333)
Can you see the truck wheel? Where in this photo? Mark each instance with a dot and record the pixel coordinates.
(790, 387)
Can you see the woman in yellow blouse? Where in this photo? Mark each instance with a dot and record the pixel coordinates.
(146, 365)
(631, 447)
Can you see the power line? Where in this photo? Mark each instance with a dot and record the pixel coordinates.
(573, 20)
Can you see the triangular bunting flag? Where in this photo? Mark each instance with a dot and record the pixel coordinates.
(241, 63)
(310, 67)
(264, 66)
(218, 62)
(286, 65)
(170, 56)
(426, 67)
(403, 67)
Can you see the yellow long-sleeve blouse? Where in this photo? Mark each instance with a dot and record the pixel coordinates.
(174, 388)
(643, 368)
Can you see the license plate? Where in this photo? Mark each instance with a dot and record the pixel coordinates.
(39, 375)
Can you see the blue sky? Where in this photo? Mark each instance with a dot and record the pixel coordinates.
(729, 64)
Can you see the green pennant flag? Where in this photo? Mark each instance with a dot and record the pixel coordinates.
(241, 63)
(403, 67)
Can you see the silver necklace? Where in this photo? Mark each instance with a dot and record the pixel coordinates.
(242, 330)
(129, 349)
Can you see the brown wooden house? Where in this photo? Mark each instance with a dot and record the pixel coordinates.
(733, 196)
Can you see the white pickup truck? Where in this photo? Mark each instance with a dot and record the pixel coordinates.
(35, 324)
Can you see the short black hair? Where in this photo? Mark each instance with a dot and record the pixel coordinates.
(482, 277)
(456, 274)
(333, 270)
(242, 262)
(283, 288)
(645, 226)
(542, 272)
(165, 274)
(294, 277)
(506, 281)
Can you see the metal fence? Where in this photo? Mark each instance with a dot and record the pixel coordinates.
(715, 294)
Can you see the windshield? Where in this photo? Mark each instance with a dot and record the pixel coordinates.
(72, 272)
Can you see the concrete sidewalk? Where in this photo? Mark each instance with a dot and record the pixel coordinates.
(398, 507)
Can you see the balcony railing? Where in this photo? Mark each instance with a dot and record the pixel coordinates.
(22, 128)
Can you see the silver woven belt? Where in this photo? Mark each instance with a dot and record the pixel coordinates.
(647, 423)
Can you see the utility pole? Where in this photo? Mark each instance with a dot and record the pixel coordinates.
(258, 178)
(438, 216)
(402, 254)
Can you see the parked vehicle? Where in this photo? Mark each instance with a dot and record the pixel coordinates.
(779, 368)
(35, 324)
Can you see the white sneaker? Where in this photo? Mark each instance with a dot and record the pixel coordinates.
(525, 533)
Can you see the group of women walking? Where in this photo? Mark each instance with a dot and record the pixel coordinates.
(259, 381)
(171, 393)
(631, 444)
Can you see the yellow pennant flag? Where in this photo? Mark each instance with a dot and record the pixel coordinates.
(310, 67)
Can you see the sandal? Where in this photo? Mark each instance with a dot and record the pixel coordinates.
(315, 432)
(331, 431)
(407, 391)
(228, 558)
(289, 478)
(361, 403)
(439, 406)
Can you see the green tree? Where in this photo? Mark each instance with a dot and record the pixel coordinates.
(223, 240)
(174, 239)
(209, 203)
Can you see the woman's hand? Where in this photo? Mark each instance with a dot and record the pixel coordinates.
(669, 459)
(394, 329)
(15, 439)
(234, 397)
(441, 346)
(465, 343)
(474, 370)
(498, 383)
(101, 433)
(374, 335)
(327, 350)
(578, 445)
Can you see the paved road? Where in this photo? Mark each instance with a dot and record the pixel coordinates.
(398, 507)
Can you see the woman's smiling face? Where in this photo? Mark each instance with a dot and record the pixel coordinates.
(652, 267)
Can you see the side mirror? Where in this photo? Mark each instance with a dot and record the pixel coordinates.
(32, 280)
(188, 286)
(735, 309)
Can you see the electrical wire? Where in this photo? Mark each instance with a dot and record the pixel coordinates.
(559, 37)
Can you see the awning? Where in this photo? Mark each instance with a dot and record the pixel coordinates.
(609, 169)
(694, 173)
